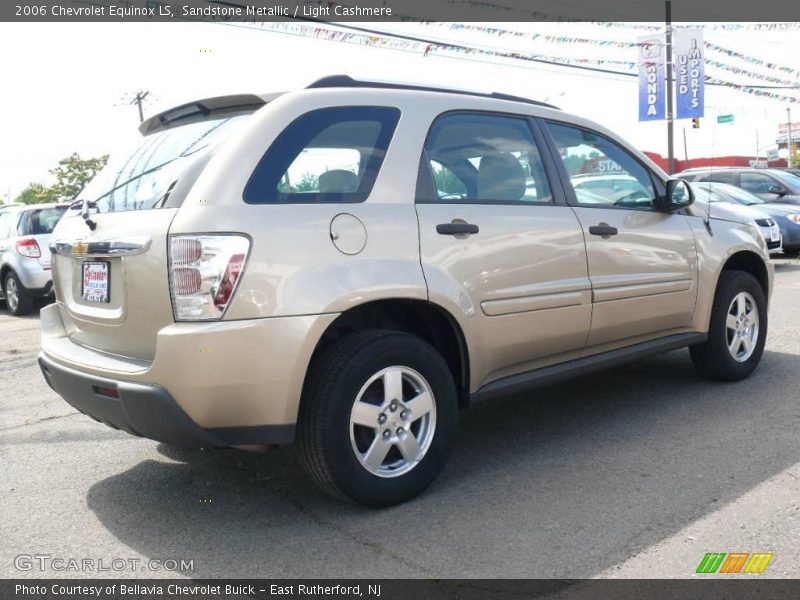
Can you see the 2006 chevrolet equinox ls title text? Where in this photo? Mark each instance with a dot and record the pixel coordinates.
(348, 265)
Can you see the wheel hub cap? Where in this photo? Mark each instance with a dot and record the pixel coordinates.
(11, 294)
(742, 326)
(392, 421)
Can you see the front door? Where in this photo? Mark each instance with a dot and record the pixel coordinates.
(498, 245)
(642, 262)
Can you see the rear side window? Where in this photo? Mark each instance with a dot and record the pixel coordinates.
(721, 177)
(483, 158)
(327, 155)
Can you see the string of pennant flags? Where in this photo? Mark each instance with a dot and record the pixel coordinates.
(386, 40)
(572, 40)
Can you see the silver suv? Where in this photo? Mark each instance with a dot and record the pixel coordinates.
(25, 253)
(348, 265)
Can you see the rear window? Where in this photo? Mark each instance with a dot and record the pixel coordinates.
(140, 178)
(40, 222)
(327, 155)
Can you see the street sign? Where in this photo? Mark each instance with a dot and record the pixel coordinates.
(725, 119)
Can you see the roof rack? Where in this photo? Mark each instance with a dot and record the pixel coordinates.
(339, 81)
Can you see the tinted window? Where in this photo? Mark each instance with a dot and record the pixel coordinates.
(602, 173)
(721, 177)
(484, 158)
(328, 155)
(757, 183)
(139, 178)
(40, 222)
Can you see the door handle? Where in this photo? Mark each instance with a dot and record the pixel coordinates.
(456, 228)
(603, 229)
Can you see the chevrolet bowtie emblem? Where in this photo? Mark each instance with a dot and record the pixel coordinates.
(80, 248)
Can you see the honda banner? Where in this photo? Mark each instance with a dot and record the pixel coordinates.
(652, 83)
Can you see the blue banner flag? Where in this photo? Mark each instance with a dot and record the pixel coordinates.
(689, 73)
(652, 84)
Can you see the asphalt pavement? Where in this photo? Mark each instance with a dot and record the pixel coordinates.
(633, 472)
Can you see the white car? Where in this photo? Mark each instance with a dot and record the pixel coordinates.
(766, 224)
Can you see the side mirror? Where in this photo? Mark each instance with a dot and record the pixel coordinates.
(776, 189)
(679, 195)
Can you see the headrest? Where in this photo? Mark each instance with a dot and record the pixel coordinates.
(501, 177)
(337, 181)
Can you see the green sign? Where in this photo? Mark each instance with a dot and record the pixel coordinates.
(725, 119)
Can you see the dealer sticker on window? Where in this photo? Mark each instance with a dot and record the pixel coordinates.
(95, 281)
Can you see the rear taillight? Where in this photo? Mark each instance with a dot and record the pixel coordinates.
(204, 271)
(28, 247)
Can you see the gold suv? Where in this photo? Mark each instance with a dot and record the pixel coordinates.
(348, 265)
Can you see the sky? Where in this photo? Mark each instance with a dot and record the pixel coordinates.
(66, 87)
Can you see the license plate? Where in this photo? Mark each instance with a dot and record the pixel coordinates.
(775, 235)
(95, 277)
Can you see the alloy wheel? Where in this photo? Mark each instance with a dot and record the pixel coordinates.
(393, 421)
(742, 326)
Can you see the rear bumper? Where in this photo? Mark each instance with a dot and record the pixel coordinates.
(36, 279)
(148, 410)
(224, 383)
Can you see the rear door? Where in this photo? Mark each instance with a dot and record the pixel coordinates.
(39, 224)
(642, 262)
(499, 241)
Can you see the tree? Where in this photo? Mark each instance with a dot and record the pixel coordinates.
(32, 194)
(72, 174)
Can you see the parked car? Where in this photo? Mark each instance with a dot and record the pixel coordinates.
(707, 192)
(25, 254)
(771, 185)
(282, 268)
(787, 216)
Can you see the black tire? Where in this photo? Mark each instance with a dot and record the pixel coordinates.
(332, 386)
(712, 358)
(24, 305)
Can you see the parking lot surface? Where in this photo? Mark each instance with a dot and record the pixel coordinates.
(633, 472)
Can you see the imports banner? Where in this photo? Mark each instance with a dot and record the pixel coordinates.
(652, 82)
(689, 73)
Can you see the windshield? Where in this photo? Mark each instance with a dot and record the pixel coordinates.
(725, 192)
(791, 180)
(42, 221)
(138, 179)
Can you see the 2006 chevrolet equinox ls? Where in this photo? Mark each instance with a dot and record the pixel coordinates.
(348, 265)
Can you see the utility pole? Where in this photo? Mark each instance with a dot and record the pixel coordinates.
(670, 116)
(685, 149)
(137, 100)
(757, 156)
(789, 138)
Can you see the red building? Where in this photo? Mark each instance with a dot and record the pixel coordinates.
(717, 161)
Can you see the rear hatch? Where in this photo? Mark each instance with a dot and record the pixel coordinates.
(110, 262)
(37, 224)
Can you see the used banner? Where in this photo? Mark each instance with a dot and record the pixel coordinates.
(652, 83)
(689, 73)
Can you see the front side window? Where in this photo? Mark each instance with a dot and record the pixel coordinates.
(484, 158)
(602, 173)
(758, 183)
(327, 155)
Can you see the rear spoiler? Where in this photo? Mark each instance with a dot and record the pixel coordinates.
(202, 110)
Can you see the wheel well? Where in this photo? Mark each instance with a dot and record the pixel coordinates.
(3, 271)
(752, 263)
(417, 317)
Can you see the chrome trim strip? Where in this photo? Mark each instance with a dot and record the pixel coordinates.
(102, 248)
